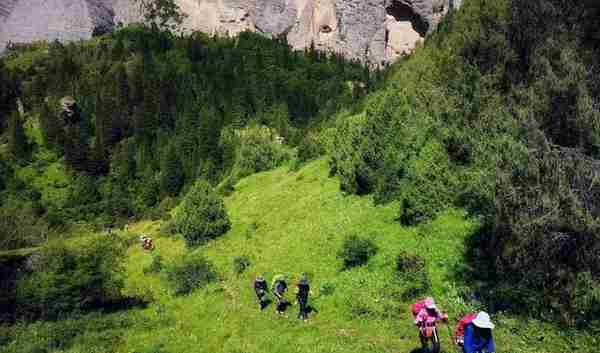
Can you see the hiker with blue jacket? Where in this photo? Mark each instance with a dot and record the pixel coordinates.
(261, 288)
(478, 335)
(279, 287)
(302, 293)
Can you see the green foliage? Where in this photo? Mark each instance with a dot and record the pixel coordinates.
(21, 225)
(17, 141)
(411, 270)
(202, 215)
(83, 192)
(155, 266)
(189, 273)
(172, 177)
(259, 149)
(154, 111)
(68, 279)
(346, 159)
(327, 288)
(50, 125)
(164, 14)
(91, 330)
(241, 264)
(309, 148)
(356, 251)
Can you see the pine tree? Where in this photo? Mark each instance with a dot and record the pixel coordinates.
(150, 190)
(17, 141)
(172, 176)
(75, 141)
(50, 126)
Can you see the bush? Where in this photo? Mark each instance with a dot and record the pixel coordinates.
(240, 264)
(20, 225)
(411, 270)
(155, 266)
(356, 251)
(327, 289)
(259, 149)
(408, 263)
(202, 215)
(73, 278)
(309, 148)
(190, 273)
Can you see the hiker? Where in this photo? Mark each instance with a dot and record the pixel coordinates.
(279, 287)
(426, 317)
(302, 293)
(478, 335)
(147, 243)
(261, 288)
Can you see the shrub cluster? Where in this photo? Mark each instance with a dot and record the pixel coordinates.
(155, 266)
(72, 278)
(202, 215)
(241, 264)
(411, 270)
(356, 251)
(189, 273)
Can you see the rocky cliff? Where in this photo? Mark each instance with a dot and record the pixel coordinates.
(375, 31)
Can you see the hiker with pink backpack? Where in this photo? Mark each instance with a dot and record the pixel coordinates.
(426, 317)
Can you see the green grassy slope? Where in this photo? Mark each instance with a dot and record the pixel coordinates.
(293, 222)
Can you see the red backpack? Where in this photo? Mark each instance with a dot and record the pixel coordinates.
(459, 332)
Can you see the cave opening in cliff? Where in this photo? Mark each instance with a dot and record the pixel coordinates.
(404, 13)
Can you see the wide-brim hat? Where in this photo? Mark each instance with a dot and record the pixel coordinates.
(483, 321)
(430, 303)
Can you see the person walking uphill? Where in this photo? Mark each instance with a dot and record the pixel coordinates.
(279, 287)
(426, 317)
(261, 288)
(478, 335)
(302, 293)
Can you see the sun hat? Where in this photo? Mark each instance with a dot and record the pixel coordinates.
(430, 303)
(483, 320)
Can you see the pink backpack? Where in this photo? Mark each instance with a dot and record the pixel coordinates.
(417, 307)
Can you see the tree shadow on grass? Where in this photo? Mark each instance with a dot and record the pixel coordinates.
(121, 304)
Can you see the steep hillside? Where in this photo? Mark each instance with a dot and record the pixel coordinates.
(293, 222)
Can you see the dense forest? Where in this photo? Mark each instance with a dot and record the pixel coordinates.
(496, 116)
(118, 127)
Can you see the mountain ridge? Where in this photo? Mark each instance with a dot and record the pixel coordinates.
(373, 31)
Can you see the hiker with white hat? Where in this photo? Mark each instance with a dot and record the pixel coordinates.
(478, 335)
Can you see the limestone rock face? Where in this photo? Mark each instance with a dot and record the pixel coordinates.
(373, 31)
(65, 20)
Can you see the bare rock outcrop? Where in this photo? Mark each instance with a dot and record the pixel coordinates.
(374, 31)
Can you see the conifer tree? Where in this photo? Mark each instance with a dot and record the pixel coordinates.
(172, 176)
(75, 140)
(17, 141)
(50, 126)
